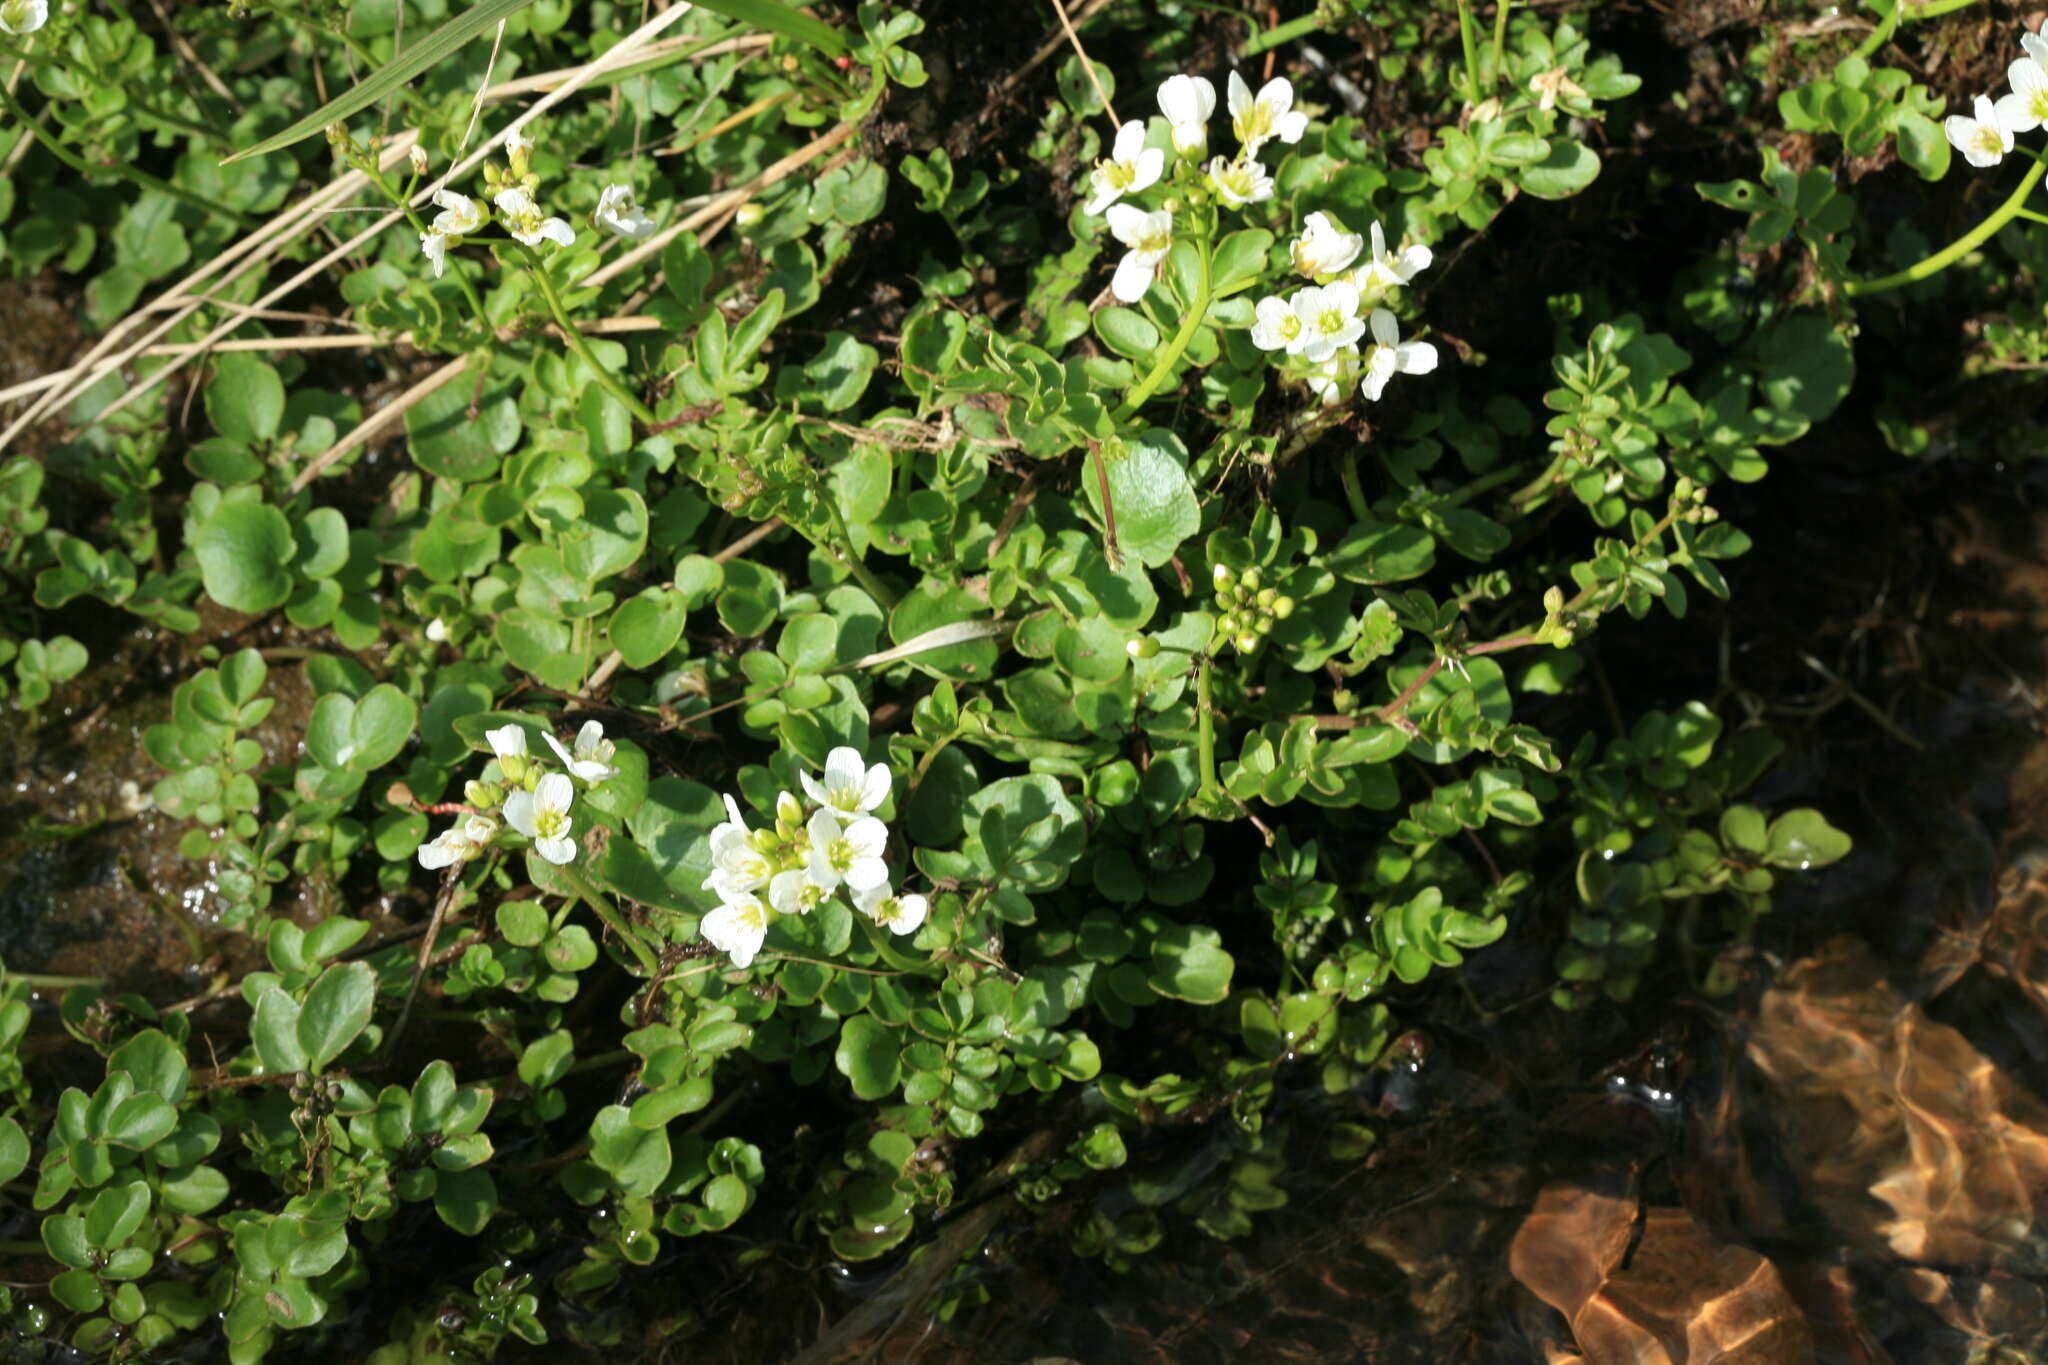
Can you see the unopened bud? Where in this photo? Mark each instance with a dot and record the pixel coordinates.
(1252, 579)
(1247, 640)
(1263, 625)
(750, 213)
(419, 159)
(1222, 577)
(1283, 607)
(1142, 647)
(398, 794)
(1266, 597)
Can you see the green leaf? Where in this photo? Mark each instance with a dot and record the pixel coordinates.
(1189, 963)
(637, 1159)
(447, 441)
(1803, 838)
(13, 1150)
(245, 398)
(116, 1213)
(1127, 332)
(245, 550)
(154, 1063)
(383, 721)
(275, 1031)
(1155, 504)
(466, 1199)
(141, 1121)
(436, 48)
(335, 1011)
(1570, 167)
(870, 1054)
(779, 18)
(64, 1237)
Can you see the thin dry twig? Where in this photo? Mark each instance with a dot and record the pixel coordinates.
(1087, 66)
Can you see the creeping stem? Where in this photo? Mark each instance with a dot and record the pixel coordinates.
(602, 908)
(1929, 9)
(576, 342)
(1961, 246)
(1205, 722)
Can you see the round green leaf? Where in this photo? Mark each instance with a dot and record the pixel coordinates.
(335, 1011)
(870, 1055)
(1154, 502)
(244, 551)
(245, 398)
(646, 627)
(447, 441)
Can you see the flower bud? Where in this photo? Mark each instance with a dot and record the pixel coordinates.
(419, 159)
(1252, 579)
(1222, 577)
(398, 794)
(1263, 625)
(482, 795)
(1266, 597)
(1283, 607)
(1343, 699)
(1227, 624)
(1142, 647)
(750, 214)
(1247, 641)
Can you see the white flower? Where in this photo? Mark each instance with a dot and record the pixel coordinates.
(434, 246)
(459, 214)
(850, 787)
(437, 631)
(591, 760)
(23, 17)
(1269, 114)
(1324, 247)
(1187, 102)
(737, 927)
(523, 220)
(460, 844)
(850, 853)
(897, 914)
(733, 820)
(1331, 379)
(2035, 46)
(737, 866)
(1149, 237)
(1275, 327)
(1389, 356)
(542, 815)
(1240, 182)
(620, 212)
(1387, 271)
(507, 741)
(1983, 139)
(1329, 320)
(1131, 166)
(794, 893)
(518, 148)
(2026, 108)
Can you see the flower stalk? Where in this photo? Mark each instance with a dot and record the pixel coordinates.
(1961, 246)
(577, 344)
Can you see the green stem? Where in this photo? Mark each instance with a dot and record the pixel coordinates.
(1469, 41)
(1500, 38)
(2032, 216)
(1170, 357)
(1267, 39)
(75, 162)
(602, 908)
(576, 342)
(42, 982)
(1931, 9)
(1354, 493)
(1961, 246)
(850, 555)
(1205, 727)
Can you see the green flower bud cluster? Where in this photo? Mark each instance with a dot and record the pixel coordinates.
(1247, 608)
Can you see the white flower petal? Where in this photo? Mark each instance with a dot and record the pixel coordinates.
(736, 928)
(1133, 277)
(507, 741)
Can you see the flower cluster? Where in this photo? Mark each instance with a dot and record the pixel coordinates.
(1985, 135)
(512, 188)
(808, 857)
(1236, 182)
(1319, 327)
(533, 800)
